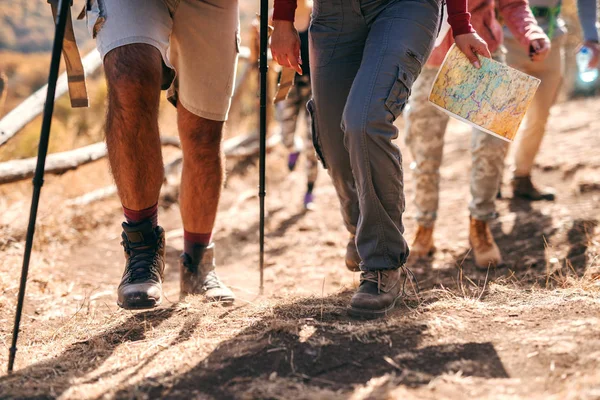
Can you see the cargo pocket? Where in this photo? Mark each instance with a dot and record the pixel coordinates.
(310, 106)
(398, 96)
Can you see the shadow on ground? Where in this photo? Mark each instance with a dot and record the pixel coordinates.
(54, 376)
(338, 355)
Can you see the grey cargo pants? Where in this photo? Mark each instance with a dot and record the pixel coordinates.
(365, 56)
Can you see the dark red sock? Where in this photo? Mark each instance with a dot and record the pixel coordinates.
(138, 216)
(191, 240)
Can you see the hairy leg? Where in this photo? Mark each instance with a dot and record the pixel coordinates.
(203, 170)
(133, 74)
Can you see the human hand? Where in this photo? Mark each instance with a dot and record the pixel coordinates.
(595, 49)
(285, 45)
(471, 44)
(539, 49)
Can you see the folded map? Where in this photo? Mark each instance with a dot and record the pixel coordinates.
(493, 98)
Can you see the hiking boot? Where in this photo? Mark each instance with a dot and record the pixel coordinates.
(141, 285)
(293, 160)
(422, 245)
(524, 189)
(485, 249)
(376, 294)
(309, 201)
(198, 276)
(352, 257)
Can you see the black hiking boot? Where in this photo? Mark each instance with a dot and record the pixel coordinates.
(141, 285)
(524, 189)
(352, 257)
(377, 293)
(198, 276)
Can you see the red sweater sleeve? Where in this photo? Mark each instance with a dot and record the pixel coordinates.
(458, 17)
(284, 10)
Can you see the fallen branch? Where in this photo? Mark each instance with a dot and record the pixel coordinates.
(31, 107)
(96, 195)
(59, 163)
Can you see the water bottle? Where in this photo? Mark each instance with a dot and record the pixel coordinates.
(586, 75)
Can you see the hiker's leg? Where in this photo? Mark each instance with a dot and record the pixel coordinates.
(337, 35)
(133, 75)
(287, 115)
(487, 153)
(400, 40)
(549, 71)
(204, 49)
(203, 168)
(133, 53)
(134, 50)
(425, 129)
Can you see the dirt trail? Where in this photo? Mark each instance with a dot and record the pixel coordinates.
(528, 330)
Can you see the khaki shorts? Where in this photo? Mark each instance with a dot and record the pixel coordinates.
(198, 41)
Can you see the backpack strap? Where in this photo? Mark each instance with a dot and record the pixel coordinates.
(75, 71)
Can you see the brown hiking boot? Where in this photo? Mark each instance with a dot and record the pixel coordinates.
(376, 294)
(524, 189)
(485, 250)
(422, 245)
(352, 257)
(141, 285)
(198, 276)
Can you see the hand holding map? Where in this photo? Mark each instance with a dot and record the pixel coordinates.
(493, 98)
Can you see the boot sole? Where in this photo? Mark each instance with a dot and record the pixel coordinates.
(362, 313)
(140, 305)
(545, 197)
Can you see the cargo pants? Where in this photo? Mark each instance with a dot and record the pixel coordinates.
(365, 56)
(425, 130)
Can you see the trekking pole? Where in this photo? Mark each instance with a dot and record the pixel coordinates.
(38, 179)
(264, 26)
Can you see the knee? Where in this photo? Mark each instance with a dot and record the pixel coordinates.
(375, 124)
(199, 136)
(133, 75)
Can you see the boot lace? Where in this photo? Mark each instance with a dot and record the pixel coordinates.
(142, 264)
(211, 281)
(376, 277)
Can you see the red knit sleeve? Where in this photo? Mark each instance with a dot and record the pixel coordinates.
(284, 10)
(458, 17)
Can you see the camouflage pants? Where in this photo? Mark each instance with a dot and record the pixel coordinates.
(425, 129)
(287, 114)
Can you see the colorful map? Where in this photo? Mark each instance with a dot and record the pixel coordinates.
(493, 98)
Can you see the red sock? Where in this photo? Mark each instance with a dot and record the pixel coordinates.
(138, 216)
(191, 240)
